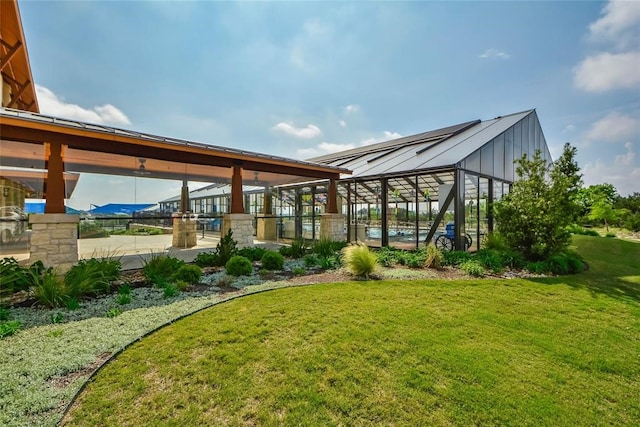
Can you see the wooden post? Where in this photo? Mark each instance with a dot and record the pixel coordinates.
(237, 203)
(185, 204)
(54, 184)
(332, 196)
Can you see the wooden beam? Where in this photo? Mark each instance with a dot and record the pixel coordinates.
(332, 197)
(54, 184)
(15, 97)
(237, 198)
(12, 51)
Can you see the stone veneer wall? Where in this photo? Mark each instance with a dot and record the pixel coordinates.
(242, 227)
(332, 227)
(54, 240)
(266, 228)
(184, 231)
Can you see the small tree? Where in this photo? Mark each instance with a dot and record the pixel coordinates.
(533, 216)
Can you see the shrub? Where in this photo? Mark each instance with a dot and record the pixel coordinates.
(610, 234)
(415, 259)
(495, 241)
(181, 285)
(298, 271)
(14, 277)
(90, 230)
(272, 261)
(538, 267)
(266, 274)
(188, 273)
(576, 264)
(226, 248)
(91, 276)
(297, 249)
(50, 290)
(57, 317)
(473, 268)
(207, 259)
(159, 268)
(387, 256)
(169, 291)
(252, 253)
(330, 262)
(491, 259)
(72, 304)
(512, 259)
(359, 259)
(455, 258)
(9, 328)
(124, 289)
(576, 229)
(4, 314)
(113, 312)
(327, 247)
(311, 260)
(225, 281)
(239, 266)
(123, 299)
(434, 257)
(558, 264)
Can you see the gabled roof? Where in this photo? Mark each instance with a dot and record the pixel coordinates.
(437, 149)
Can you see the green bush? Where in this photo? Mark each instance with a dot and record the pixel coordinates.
(455, 258)
(576, 229)
(297, 249)
(9, 328)
(434, 257)
(123, 299)
(226, 248)
(311, 260)
(330, 262)
(124, 289)
(113, 312)
(181, 285)
(326, 247)
(169, 291)
(473, 268)
(610, 234)
(495, 241)
(239, 266)
(188, 273)
(91, 276)
(4, 314)
(576, 263)
(51, 290)
(90, 230)
(360, 260)
(14, 277)
(491, 259)
(387, 256)
(538, 267)
(558, 264)
(298, 271)
(160, 268)
(272, 261)
(207, 259)
(252, 253)
(72, 304)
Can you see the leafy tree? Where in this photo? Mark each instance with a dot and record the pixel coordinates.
(603, 210)
(588, 196)
(533, 216)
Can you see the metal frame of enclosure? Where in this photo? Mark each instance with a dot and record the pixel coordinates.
(433, 186)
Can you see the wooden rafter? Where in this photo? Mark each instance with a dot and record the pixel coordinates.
(11, 50)
(16, 97)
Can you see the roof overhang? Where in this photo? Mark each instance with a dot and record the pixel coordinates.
(34, 180)
(14, 59)
(99, 149)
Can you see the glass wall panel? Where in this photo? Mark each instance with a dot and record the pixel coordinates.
(483, 214)
(401, 228)
(498, 157)
(509, 154)
(526, 149)
(486, 159)
(473, 162)
(470, 208)
(532, 135)
(517, 142)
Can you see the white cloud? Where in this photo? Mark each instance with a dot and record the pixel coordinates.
(342, 123)
(614, 127)
(623, 173)
(619, 24)
(606, 71)
(322, 149)
(106, 114)
(351, 108)
(493, 54)
(386, 136)
(569, 128)
(311, 131)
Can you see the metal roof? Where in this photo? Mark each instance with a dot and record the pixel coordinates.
(212, 191)
(437, 149)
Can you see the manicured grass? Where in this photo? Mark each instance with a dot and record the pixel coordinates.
(552, 351)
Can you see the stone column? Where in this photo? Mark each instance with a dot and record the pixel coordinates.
(184, 231)
(332, 227)
(266, 228)
(242, 227)
(54, 240)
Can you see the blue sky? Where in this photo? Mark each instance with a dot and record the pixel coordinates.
(300, 79)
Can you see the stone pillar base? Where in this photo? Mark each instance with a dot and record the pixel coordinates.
(332, 227)
(242, 227)
(54, 240)
(358, 233)
(266, 228)
(184, 231)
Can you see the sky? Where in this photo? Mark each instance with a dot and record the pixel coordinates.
(302, 79)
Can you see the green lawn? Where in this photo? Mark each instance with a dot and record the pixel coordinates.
(552, 351)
